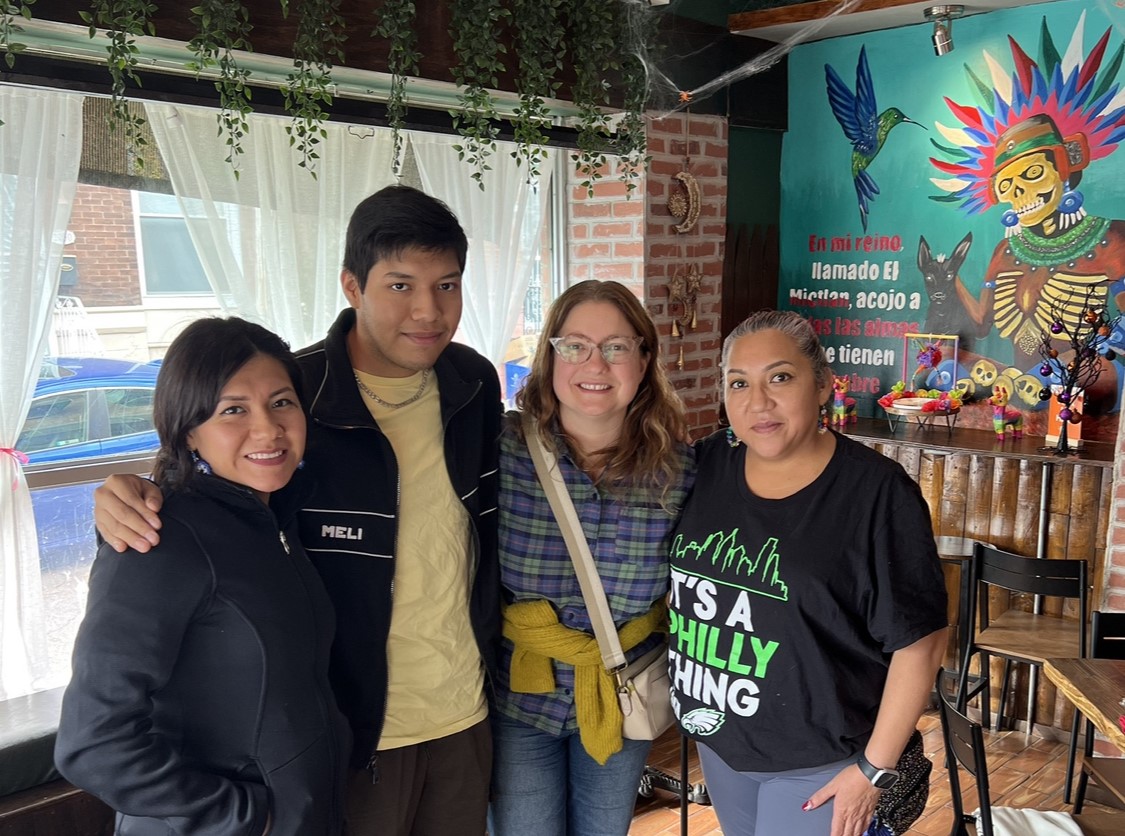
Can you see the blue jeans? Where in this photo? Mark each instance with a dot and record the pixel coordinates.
(549, 786)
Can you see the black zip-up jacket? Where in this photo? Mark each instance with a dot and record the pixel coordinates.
(200, 701)
(350, 526)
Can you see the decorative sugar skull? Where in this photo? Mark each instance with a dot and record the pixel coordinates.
(968, 386)
(1009, 377)
(983, 373)
(1027, 388)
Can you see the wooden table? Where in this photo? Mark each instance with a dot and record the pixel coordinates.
(1097, 688)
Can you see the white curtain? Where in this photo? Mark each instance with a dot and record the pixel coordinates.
(504, 222)
(40, 151)
(271, 240)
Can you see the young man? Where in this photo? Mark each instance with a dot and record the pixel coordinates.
(402, 527)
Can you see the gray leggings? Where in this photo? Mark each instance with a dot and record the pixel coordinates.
(767, 803)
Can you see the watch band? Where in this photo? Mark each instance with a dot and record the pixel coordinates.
(882, 779)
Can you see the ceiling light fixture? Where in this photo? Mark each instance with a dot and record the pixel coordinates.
(942, 17)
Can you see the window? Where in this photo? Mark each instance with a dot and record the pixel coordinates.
(130, 411)
(169, 261)
(55, 421)
(140, 286)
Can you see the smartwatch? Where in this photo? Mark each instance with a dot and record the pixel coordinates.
(882, 779)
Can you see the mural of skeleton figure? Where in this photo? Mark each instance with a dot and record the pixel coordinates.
(1059, 251)
(1025, 150)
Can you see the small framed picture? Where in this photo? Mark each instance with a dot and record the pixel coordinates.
(929, 361)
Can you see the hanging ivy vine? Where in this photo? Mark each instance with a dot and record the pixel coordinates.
(396, 24)
(475, 27)
(592, 47)
(638, 26)
(601, 39)
(224, 26)
(308, 89)
(540, 39)
(9, 28)
(124, 22)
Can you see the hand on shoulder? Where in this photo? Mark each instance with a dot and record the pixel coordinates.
(126, 512)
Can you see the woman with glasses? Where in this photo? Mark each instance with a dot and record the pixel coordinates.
(598, 397)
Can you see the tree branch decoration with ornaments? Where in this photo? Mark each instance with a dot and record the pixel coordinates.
(1072, 348)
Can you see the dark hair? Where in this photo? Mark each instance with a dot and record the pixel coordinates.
(398, 218)
(793, 325)
(646, 452)
(196, 367)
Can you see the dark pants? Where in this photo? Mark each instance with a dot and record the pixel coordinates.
(430, 789)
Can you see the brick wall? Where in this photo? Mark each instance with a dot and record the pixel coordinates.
(703, 139)
(606, 231)
(105, 246)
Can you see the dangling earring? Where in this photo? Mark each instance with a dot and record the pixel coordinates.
(732, 439)
(201, 465)
(1070, 208)
(1011, 223)
(822, 424)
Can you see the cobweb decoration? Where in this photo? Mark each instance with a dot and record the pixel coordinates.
(667, 97)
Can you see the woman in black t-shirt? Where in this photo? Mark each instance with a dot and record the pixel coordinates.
(808, 605)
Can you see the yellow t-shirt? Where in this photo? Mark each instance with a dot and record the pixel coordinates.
(435, 684)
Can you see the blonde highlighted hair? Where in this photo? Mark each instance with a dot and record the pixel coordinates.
(646, 453)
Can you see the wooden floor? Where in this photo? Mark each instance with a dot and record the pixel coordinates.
(1024, 771)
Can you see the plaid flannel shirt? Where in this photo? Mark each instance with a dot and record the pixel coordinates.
(629, 535)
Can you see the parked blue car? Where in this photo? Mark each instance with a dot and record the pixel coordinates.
(84, 408)
(90, 407)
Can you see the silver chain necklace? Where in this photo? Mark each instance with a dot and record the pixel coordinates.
(364, 388)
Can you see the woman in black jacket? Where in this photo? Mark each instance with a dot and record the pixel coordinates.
(200, 702)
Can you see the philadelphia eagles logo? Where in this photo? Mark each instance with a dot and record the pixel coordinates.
(703, 721)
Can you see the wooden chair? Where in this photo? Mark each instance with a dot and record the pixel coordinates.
(1107, 641)
(964, 745)
(1018, 636)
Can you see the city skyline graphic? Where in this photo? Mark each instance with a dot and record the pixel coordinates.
(721, 550)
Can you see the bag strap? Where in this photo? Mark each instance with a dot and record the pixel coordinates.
(593, 592)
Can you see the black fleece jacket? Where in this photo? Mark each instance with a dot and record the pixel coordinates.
(350, 525)
(200, 699)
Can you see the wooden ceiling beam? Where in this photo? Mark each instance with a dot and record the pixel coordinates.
(797, 13)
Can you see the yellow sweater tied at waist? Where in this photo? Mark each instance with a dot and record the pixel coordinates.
(534, 628)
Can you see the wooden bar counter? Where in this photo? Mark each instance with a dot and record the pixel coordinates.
(1014, 494)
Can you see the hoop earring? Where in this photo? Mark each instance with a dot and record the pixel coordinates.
(201, 465)
(732, 439)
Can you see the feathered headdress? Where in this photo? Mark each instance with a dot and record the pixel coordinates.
(1079, 96)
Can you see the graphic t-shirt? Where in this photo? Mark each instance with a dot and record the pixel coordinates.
(785, 612)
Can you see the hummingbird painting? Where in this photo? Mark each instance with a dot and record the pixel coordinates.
(867, 129)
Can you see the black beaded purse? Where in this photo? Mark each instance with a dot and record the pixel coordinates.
(901, 805)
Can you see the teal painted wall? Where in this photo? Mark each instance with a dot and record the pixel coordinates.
(864, 284)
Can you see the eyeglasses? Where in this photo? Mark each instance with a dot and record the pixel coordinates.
(616, 350)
